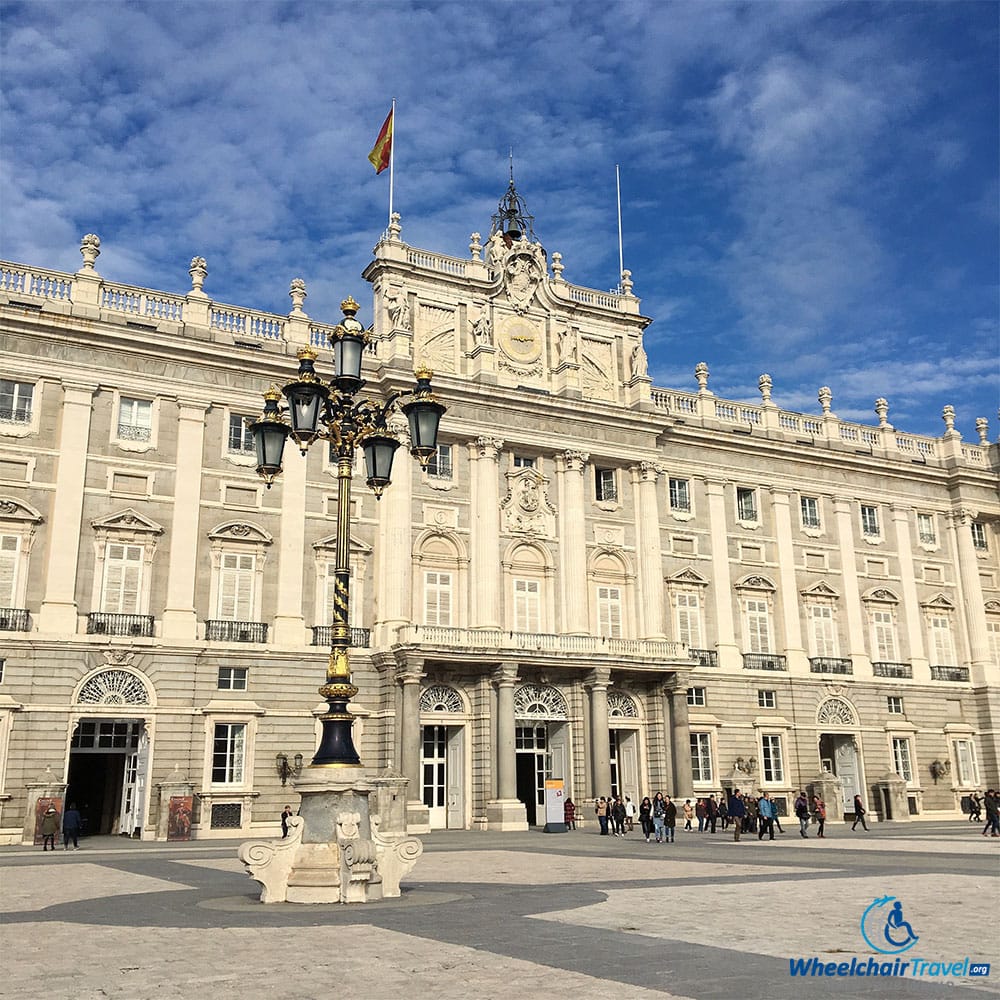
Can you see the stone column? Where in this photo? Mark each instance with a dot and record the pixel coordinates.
(680, 737)
(794, 650)
(58, 611)
(484, 602)
(722, 584)
(600, 741)
(180, 619)
(960, 523)
(911, 602)
(506, 811)
(644, 479)
(289, 625)
(843, 513)
(417, 814)
(394, 551)
(573, 543)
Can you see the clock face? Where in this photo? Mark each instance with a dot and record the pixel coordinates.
(520, 340)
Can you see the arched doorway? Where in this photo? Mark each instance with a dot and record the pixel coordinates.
(623, 744)
(442, 756)
(838, 747)
(541, 744)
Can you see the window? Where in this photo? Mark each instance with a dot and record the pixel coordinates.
(809, 511)
(926, 529)
(15, 401)
(993, 637)
(942, 642)
(965, 759)
(135, 419)
(10, 558)
(440, 466)
(437, 598)
(232, 678)
(901, 758)
(746, 503)
(122, 579)
(701, 757)
(978, 536)
(767, 699)
(758, 623)
(770, 754)
(240, 438)
(228, 752)
(527, 606)
(236, 587)
(822, 630)
(522, 462)
(689, 620)
(696, 697)
(605, 486)
(1, 670)
(869, 521)
(894, 703)
(609, 612)
(884, 636)
(680, 495)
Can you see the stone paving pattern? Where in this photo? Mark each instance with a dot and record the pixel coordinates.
(495, 915)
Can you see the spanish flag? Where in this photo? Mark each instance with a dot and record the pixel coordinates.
(382, 149)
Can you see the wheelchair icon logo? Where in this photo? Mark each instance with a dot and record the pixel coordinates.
(885, 929)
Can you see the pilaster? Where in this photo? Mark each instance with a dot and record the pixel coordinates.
(653, 596)
(857, 650)
(573, 543)
(393, 553)
(795, 652)
(911, 602)
(484, 605)
(289, 625)
(417, 814)
(960, 523)
(722, 584)
(506, 811)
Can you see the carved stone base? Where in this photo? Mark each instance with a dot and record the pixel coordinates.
(334, 851)
(418, 818)
(506, 815)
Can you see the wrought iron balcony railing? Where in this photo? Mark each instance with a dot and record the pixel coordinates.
(15, 620)
(886, 668)
(705, 657)
(764, 661)
(229, 631)
(830, 665)
(959, 674)
(323, 636)
(103, 623)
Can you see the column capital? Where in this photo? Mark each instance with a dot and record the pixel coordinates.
(715, 486)
(900, 511)
(599, 677)
(487, 447)
(678, 683)
(191, 408)
(962, 515)
(842, 503)
(575, 460)
(779, 494)
(408, 675)
(505, 675)
(646, 472)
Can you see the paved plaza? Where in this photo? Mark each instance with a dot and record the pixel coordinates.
(500, 915)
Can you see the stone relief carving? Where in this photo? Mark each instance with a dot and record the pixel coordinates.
(595, 371)
(638, 362)
(482, 331)
(565, 346)
(436, 346)
(523, 267)
(526, 510)
(398, 306)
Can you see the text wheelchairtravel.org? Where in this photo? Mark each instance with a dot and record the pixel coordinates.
(912, 968)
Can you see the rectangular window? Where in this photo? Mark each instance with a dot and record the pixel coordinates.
(232, 678)
(236, 587)
(942, 642)
(609, 612)
(758, 622)
(437, 598)
(228, 751)
(894, 703)
(122, 579)
(965, 759)
(926, 529)
(701, 757)
(809, 511)
(605, 485)
(822, 630)
(767, 699)
(10, 552)
(689, 620)
(527, 606)
(746, 503)
(240, 438)
(522, 462)
(15, 401)
(884, 636)
(901, 758)
(993, 637)
(869, 521)
(1, 670)
(773, 768)
(135, 419)
(696, 697)
(978, 536)
(680, 495)
(440, 466)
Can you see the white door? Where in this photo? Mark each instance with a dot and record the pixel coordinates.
(628, 764)
(847, 768)
(453, 776)
(126, 818)
(434, 759)
(559, 753)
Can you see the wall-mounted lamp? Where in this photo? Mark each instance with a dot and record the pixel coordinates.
(288, 770)
(939, 768)
(746, 764)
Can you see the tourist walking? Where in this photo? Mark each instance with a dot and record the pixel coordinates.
(286, 814)
(669, 819)
(723, 814)
(859, 813)
(71, 827)
(569, 814)
(975, 808)
(701, 812)
(819, 812)
(618, 816)
(712, 810)
(630, 812)
(50, 827)
(802, 814)
(646, 817)
(992, 806)
(765, 816)
(737, 812)
(688, 815)
(659, 812)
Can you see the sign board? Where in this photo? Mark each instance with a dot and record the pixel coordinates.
(555, 799)
(179, 817)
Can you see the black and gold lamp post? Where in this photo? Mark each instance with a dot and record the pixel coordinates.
(328, 411)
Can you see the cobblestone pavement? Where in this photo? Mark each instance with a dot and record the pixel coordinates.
(500, 915)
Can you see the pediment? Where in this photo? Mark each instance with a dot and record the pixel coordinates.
(240, 531)
(127, 520)
(939, 601)
(880, 594)
(12, 509)
(820, 589)
(356, 545)
(688, 576)
(756, 582)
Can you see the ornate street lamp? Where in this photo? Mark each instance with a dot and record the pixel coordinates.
(328, 411)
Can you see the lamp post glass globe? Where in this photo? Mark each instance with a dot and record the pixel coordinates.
(379, 450)
(424, 415)
(269, 433)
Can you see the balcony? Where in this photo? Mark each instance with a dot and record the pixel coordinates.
(227, 631)
(137, 626)
(830, 665)
(705, 657)
(884, 668)
(323, 636)
(14, 620)
(764, 661)
(958, 674)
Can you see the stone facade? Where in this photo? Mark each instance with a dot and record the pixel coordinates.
(598, 580)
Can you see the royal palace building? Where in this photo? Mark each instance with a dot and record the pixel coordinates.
(626, 587)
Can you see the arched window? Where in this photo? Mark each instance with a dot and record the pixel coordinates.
(535, 701)
(441, 698)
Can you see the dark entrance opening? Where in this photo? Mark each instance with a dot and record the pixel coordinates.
(95, 785)
(526, 790)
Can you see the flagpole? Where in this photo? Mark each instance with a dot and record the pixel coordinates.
(392, 157)
(621, 257)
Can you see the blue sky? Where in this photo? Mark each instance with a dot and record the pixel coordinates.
(809, 189)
